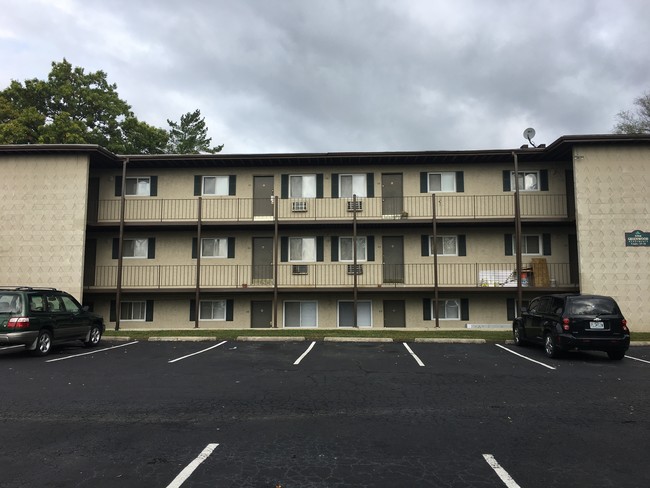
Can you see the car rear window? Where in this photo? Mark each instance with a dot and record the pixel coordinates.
(592, 306)
(11, 303)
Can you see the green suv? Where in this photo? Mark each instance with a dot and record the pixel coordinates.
(38, 318)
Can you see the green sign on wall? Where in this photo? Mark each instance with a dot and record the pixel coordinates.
(637, 238)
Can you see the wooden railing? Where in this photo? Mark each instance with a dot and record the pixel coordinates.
(328, 275)
(232, 209)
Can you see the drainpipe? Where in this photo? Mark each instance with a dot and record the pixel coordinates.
(354, 261)
(118, 290)
(517, 235)
(275, 262)
(197, 292)
(435, 260)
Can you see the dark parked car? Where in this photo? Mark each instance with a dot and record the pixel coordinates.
(40, 317)
(567, 321)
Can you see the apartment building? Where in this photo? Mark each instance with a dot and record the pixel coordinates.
(398, 239)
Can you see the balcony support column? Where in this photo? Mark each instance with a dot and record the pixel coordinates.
(275, 261)
(517, 234)
(197, 290)
(354, 262)
(120, 256)
(434, 223)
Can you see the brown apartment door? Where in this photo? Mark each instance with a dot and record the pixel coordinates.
(263, 197)
(261, 314)
(262, 260)
(393, 259)
(392, 194)
(394, 313)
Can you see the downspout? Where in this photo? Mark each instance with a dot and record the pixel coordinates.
(517, 235)
(435, 259)
(275, 261)
(354, 262)
(118, 290)
(197, 292)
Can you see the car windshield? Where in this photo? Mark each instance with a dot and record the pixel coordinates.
(10, 303)
(592, 306)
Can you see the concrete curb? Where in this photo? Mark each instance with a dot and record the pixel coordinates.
(181, 338)
(116, 339)
(270, 339)
(450, 340)
(640, 343)
(357, 339)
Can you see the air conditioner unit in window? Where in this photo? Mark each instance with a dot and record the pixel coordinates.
(298, 206)
(355, 269)
(355, 206)
(299, 269)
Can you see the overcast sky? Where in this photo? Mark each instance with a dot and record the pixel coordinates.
(349, 75)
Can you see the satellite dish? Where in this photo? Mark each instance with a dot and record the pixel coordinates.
(529, 134)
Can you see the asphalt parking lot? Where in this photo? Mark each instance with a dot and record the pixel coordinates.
(302, 414)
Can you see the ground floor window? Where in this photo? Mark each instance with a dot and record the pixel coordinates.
(301, 314)
(133, 310)
(346, 313)
(212, 310)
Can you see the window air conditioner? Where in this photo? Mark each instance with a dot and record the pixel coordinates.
(355, 269)
(298, 206)
(299, 269)
(355, 206)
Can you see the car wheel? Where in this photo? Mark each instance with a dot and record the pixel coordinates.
(616, 354)
(43, 343)
(517, 335)
(94, 336)
(550, 348)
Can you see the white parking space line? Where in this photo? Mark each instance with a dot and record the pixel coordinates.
(198, 352)
(413, 354)
(501, 473)
(526, 358)
(94, 351)
(637, 359)
(297, 361)
(11, 347)
(190, 468)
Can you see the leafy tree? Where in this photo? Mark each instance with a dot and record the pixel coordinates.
(637, 121)
(190, 136)
(74, 107)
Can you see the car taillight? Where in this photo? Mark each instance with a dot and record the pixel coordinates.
(565, 323)
(18, 323)
(624, 326)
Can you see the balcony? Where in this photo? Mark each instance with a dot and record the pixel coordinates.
(536, 205)
(369, 276)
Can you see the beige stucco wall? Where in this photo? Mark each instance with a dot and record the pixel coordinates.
(43, 208)
(612, 198)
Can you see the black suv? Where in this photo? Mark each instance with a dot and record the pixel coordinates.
(565, 322)
(39, 317)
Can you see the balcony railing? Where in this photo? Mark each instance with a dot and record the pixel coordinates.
(229, 209)
(322, 275)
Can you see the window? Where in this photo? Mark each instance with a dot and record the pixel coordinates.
(446, 245)
(302, 249)
(133, 311)
(302, 186)
(216, 185)
(214, 248)
(527, 180)
(442, 182)
(301, 314)
(346, 249)
(69, 304)
(531, 244)
(353, 185)
(212, 310)
(138, 186)
(136, 248)
(448, 309)
(346, 314)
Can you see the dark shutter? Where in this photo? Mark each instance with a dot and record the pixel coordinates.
(464, 309)
(507, 240)
(151, 252)
(284, 186)
(370, 244)
(116, 247)
(546, 244)
(232, 185)
(319, 248)
(426, 308)
(231, 247)
(284, 249)
(195, 247)
(118, 186)
(462, 245)
(230, 305)
(424, 245)
(192, 310)
(510, 309)
(149, 312)
(112, 314)
(198, 179)
(543, 180)
(460, 182)
(153, 186)
(370, 183)
(335, 248)
(424, 182)
(335, 185)
(506, 180)
(319, 185)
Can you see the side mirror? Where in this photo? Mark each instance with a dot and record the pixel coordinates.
(85, 308)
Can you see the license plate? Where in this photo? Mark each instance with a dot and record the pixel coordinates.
(596, 325)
